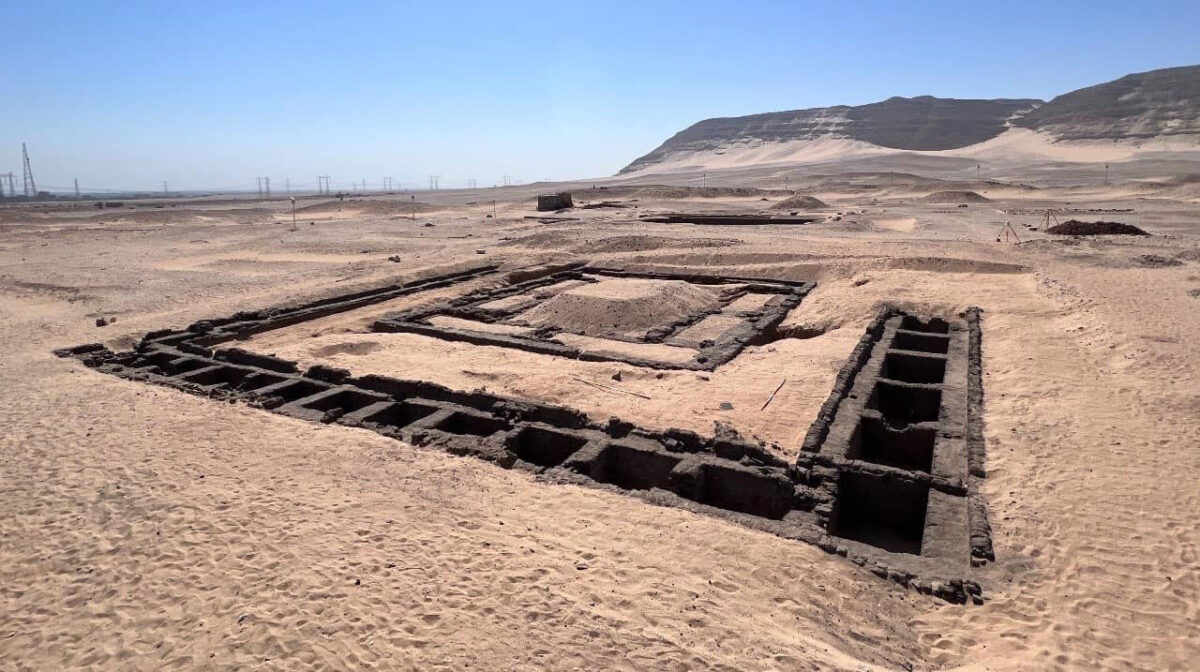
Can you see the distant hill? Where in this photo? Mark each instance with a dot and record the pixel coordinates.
(1155, 104)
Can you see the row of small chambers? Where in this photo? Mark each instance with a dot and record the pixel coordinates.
(538, 445)
(890, 513)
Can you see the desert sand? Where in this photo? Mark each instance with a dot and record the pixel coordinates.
(142, 528)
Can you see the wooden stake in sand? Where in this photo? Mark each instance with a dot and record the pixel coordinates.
(609, 387)
(772, 397)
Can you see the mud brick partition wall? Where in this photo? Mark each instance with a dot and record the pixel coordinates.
(707, 219)
(886, 476)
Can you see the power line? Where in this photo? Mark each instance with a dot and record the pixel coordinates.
(30, 187)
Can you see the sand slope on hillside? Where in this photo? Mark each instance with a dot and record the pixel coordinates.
(1015, 144)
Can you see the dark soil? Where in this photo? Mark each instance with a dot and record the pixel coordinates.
(1074, 227)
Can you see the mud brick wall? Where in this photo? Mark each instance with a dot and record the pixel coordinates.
(727, 220)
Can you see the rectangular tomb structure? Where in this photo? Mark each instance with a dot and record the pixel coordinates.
(666, 321)
(887, 474)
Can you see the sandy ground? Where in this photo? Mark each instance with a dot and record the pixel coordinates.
(142, 528)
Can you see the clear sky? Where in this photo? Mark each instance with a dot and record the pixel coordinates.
(210, 95)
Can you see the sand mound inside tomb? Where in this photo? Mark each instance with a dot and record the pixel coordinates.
(955, 197)
(622, 306)
(801, 203)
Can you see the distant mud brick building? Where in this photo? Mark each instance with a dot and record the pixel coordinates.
(557, 201)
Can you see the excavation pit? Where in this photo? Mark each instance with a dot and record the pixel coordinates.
(346, 401)
(399, 415)
(633, 469)
(186, 364)
(471, 424)
(746, 492)
(913, 368)
(902, 405)
(911, 448)
(881, 512)
(159, 362)
(545, 447)
(292, 390)
(218, 375)
(258, 380)
(920, 342)
(931, 326)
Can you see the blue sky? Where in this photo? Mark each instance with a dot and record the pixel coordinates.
(211, 95)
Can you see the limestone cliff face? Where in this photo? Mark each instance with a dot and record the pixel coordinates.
(1143, 105)
(1160, 103)
(922, 123)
